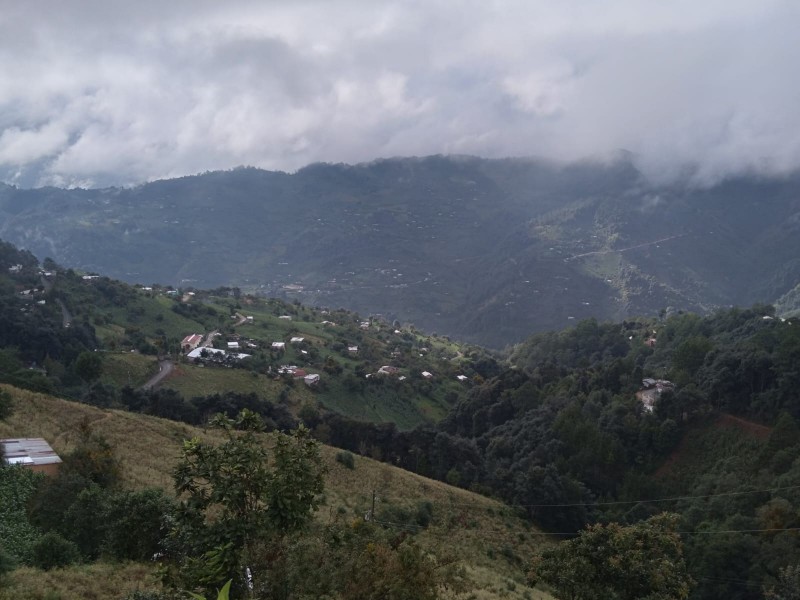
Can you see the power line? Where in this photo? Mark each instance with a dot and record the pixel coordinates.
(447, 530)
(627, 502)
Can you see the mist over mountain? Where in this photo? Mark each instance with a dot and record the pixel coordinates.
(485, 250)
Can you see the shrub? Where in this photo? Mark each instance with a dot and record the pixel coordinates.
(7, 562)
(424, 513)
(52, 551)
(346, 458)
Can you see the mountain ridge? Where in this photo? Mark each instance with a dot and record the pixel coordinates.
(483, 250)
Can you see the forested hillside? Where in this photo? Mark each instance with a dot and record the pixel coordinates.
(563, 434)
(484, 250)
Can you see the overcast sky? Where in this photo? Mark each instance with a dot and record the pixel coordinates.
(101, 93)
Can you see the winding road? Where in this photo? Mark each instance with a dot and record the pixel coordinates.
(164, 368)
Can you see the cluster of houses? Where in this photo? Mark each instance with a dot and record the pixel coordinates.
(191, 346)
(395, 372)
(310, 379)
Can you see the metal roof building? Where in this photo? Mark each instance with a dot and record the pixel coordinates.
(33, 453)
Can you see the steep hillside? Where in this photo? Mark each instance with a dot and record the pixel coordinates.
(488, 251)
(484, 536)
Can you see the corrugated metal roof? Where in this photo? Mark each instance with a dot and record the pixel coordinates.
(29, 451)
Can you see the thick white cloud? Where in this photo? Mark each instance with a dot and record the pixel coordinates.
(115, 93)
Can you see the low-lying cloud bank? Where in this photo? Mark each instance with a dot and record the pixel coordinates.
(98, 93)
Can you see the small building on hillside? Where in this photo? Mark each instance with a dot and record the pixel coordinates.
(462, 378)
(388, 370)
(311, 380)
(190, 342)
(215, 353)
(31, 453)
(427, 374)
(297, 340)
(281, 346)
(233, 345)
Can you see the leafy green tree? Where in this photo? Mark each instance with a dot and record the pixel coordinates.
(89, 366)
(689, 355)
(235, 501)
(17, 485)
(6, 408)
(612, 562)
(52, 551)
(135, 523)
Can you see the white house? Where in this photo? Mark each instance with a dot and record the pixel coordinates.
(233, 345)
(427, 374)
(311, 379)
(297, 340)
(462, 378)
(279, 345)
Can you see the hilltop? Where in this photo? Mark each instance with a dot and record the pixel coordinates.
(487, 251)
(483, 535)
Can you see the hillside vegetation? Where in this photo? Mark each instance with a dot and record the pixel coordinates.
(485, 537)
(54, 315)
(487, 251)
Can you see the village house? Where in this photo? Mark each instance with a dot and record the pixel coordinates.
(233, 345)
(462, 378)
(190, 342)
(427, 374)
(311, 380)
(285, 317)
(352, 349)
(297, 340)
(31, 453)
(388, 370)
(279, 346)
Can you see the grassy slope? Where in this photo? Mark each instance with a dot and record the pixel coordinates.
(491, 543)
(406, 405)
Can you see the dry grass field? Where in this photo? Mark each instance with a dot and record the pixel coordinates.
(483, 535)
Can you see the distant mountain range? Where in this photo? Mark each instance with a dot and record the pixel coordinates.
(488, 251)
